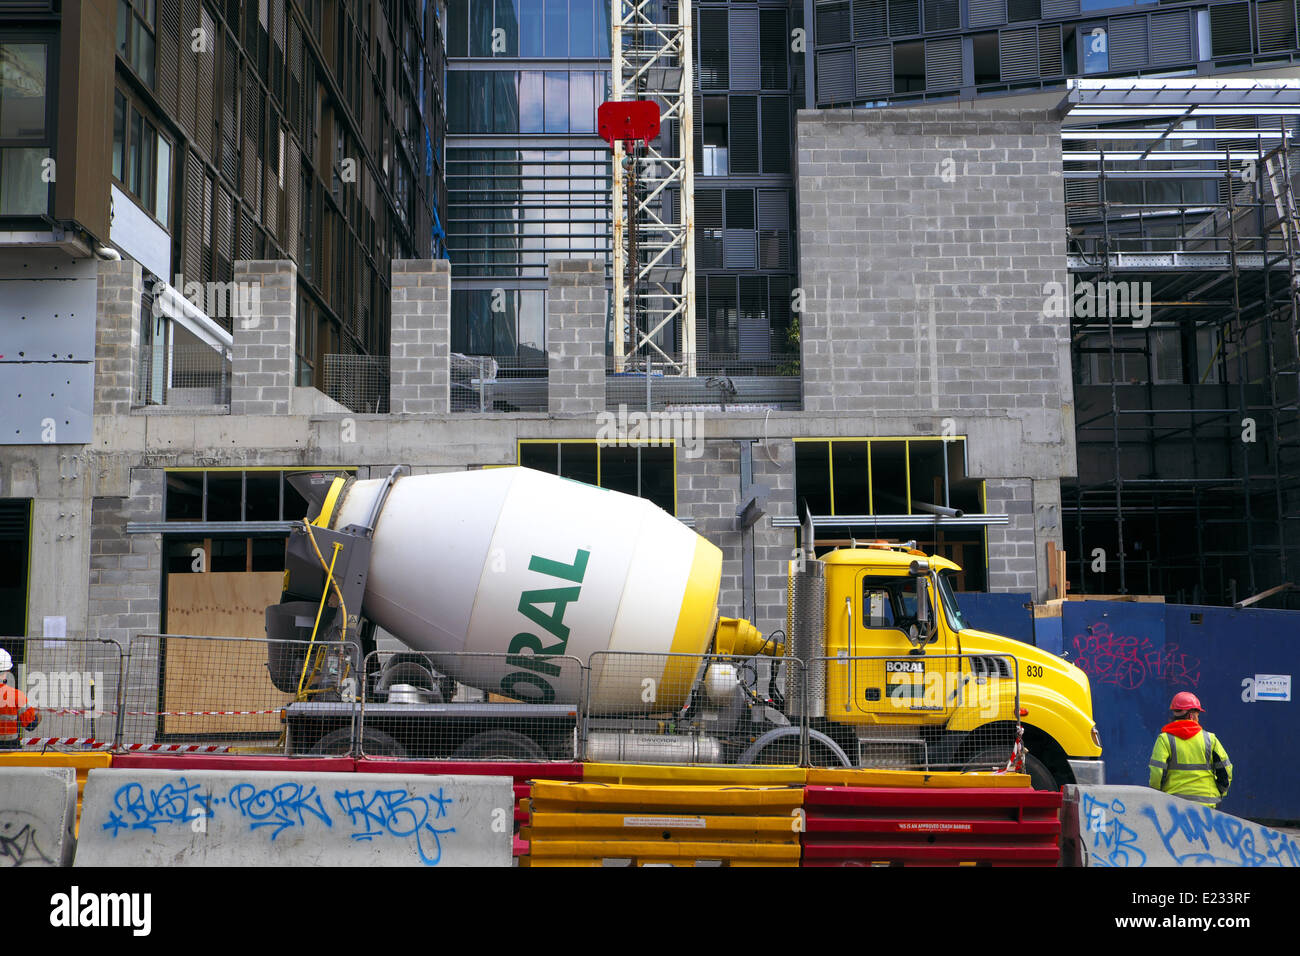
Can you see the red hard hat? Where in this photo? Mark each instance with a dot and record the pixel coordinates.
(1185, 700)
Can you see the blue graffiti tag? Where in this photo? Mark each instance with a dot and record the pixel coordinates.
(281, 806)
(1205, 837)
(136, 808)
(399, 814)
(1114, 842)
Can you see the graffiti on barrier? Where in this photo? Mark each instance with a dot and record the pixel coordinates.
(274, 808)
(1196, 835)
(399, 814)
(1128, 662)
(18, 845)
(1113, 841)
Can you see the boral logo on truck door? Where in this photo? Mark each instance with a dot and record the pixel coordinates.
(544, 608)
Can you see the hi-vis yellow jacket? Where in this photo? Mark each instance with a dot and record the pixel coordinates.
(1188, 761)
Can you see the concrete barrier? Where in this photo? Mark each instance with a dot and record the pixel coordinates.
(137, 817)
(37, 810)
(1141, 827)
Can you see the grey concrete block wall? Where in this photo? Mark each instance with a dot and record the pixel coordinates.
(575, 336)
(126, 569)
(708, 490)
(1012, 547)
(420, 356)
(929, 242)
(263, 356)
(773, 547)
(117, 335)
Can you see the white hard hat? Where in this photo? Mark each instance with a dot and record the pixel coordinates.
(6, 662)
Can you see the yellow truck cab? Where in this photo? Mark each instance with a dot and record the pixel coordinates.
(909, 683)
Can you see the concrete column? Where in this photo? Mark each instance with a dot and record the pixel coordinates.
(772, 546)
(575, 336)
(263, 357)
(420, 364)
(708, 490)
(1012, 566)
(117, 335)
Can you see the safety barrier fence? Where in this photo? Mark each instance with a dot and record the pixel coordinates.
(184, 694)
(586, 824)
(630, 814)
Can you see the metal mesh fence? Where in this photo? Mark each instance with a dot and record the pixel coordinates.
(358, 382)
(481, 383)
(71, 689)
(687, 709)
(920, 712)
(183, 375)
(467, 706)
(722, 382)
(203, 693)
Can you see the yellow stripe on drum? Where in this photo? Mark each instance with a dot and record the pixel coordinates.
(696, 620)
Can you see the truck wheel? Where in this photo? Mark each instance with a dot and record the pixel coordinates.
(374, 743)
(503, 745)
(1040, 777)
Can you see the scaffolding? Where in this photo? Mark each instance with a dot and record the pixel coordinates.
(654, 300)
(1185, 291)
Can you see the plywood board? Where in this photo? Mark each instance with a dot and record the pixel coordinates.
(220, 675)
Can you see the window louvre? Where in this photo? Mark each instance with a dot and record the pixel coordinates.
(1230, 29)
(904, 17)
(1049, 51)
(776, 134)
(1019, 10)
(742, 156)
(1052, 9)
(941, 15)
(833, 22)
(1128, 43)
(773, 42)
(870, 19)
(943, 64)
(1276, 25)
(1171, 38)
(1018, 52)
(875, 71)
(714, 59)
(988, 13)
(743, 44)
(835, 77)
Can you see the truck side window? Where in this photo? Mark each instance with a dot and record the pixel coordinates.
(877, 607)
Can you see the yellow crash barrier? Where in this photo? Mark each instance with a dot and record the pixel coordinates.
(82, 763)
(598, 824)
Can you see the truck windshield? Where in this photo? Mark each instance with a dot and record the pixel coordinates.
(950, 609)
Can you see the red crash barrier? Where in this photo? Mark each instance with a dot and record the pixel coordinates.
(869, 826)
(225, 762)
(520, 772)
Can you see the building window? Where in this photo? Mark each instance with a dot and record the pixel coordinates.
(136, 22)
(230, 494)
(646, 470)
(894, 477)
(142, 158)
(26, 139)
(1096, 56)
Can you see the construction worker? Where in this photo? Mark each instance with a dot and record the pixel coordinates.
(14, 708)
(1188, 761)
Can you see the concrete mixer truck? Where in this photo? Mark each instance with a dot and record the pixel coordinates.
(543, 618)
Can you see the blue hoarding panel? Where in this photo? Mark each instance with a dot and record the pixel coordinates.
(1003, 613)
(1137, 656)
